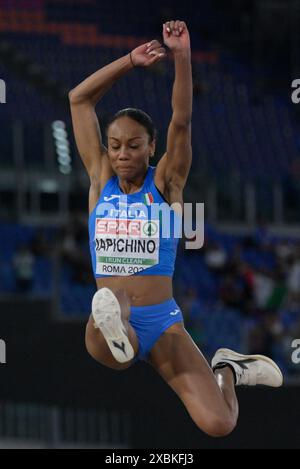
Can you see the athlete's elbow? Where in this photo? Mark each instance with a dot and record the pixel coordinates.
(75, 97)
(72, 96)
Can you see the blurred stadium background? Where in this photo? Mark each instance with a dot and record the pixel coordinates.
(242, 290)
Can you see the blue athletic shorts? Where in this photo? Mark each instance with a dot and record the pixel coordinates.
(149, 322)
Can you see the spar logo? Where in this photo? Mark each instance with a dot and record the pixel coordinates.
(150, 228)
(113, 227)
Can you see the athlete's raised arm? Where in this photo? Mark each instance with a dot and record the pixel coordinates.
(173, 168)
(83, 99)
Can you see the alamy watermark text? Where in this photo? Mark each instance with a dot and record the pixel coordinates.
(296, 353)
(2, 351)
(2, 92)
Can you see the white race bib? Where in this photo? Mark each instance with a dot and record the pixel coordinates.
(125, 246)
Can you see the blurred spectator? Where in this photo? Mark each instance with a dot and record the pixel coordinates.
(284, 250)
(263, 287)
(215, 257)
(193, 312)
(258, 340)
(266, 332)
(191, 304)
(73, 246)
(246, 275)
(279, 291)
(23, 264)
(231, 291)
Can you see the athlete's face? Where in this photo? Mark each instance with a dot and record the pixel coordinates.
(129, 148)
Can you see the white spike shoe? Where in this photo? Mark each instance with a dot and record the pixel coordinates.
(106, 312)
(250, 370)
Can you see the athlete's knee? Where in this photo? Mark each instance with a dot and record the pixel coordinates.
(218, 426)
(98, 350)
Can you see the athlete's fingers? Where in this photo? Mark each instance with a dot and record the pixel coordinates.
(172, 23)
(166, 30)
(182, 26)
(161, 51)
(154, 58)
(157, 57)
(170, 26)
(153, 45)
(176, 27)
(167, 25)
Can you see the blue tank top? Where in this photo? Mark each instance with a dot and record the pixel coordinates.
(133, 234)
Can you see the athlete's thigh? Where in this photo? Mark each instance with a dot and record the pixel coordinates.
(181, 364)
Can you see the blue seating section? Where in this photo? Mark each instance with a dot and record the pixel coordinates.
(13, 237)
(188, 263)
(231, 130)
(135, 20)
(208, 320)
(235, 126)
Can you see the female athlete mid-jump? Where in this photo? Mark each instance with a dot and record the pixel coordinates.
(134, 315)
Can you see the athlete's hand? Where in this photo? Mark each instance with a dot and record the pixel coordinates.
(176, 36)
(148, 54)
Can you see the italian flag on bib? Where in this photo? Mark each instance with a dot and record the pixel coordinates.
(148, 198)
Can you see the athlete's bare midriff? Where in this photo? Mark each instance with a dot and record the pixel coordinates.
(141, 290)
